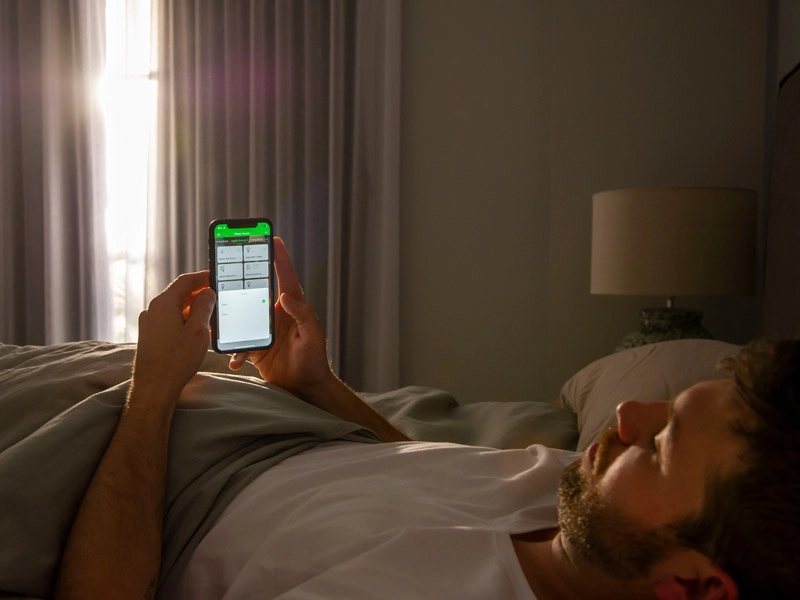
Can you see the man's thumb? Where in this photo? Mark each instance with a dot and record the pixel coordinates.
(292, 306)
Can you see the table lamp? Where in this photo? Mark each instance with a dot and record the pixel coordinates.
(670, 242)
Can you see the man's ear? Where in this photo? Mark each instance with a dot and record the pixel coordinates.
(715, 585)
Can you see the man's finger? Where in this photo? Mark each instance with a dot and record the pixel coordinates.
(202, 308)
(237, 360)
(183, 286)
(288, 281)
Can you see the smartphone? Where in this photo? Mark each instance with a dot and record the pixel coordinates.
(240, 262)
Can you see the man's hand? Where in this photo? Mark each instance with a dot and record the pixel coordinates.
(297, 361)
(114, 547)
(173, 333)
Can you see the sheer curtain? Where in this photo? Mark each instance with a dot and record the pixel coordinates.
(288, 109)
(52, 260)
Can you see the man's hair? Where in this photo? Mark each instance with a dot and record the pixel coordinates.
(750, 523)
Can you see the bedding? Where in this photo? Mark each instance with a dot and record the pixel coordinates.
(59, 406)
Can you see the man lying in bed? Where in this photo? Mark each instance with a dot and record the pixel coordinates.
(696, 498)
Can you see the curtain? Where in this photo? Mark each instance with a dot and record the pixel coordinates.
(288, 109)
(52, 261)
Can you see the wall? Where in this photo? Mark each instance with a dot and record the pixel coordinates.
(514, 113)
(473, 179)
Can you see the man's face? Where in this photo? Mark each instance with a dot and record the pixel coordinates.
(650, 472)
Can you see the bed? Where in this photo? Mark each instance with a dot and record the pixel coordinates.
(59, 405)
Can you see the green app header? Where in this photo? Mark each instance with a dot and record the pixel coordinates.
(223, 231)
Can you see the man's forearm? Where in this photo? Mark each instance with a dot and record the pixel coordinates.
(337, 398)
(114, 548)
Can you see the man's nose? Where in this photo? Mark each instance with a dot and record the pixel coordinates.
(640, 420)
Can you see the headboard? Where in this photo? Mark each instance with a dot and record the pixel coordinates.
(781, 317)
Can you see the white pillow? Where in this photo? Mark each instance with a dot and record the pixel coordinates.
(653, 373)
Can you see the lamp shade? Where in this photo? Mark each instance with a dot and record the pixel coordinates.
(674, 241)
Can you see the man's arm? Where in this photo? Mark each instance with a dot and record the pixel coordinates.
(298, 360)
(114, 547)
(329, 392)
(337, 398)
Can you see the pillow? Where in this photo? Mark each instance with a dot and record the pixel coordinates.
(652, 373)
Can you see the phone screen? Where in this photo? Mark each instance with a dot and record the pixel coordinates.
(240, 253)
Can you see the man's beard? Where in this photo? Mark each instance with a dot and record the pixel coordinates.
(603, 536)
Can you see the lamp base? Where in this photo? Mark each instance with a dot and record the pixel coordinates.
(662, 324)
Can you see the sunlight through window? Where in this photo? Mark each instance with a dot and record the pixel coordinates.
(128, 99)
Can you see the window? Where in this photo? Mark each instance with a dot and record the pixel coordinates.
(127, 94)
